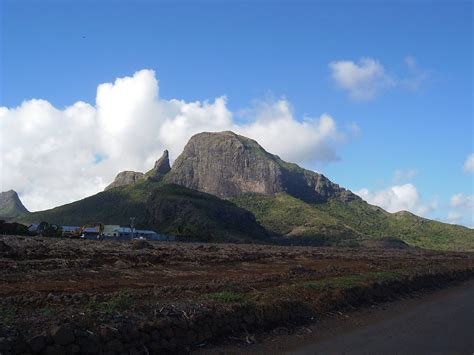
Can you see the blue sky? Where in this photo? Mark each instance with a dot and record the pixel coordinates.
(418, 118)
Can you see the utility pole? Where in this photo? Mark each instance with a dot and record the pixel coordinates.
(132, 222)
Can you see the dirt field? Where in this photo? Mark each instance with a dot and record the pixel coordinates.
(47, 282)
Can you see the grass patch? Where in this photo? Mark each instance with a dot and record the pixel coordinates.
(115, 304)
(113, 206)
(335, 221)
(376, 223)
(226, 296)
(349, 281)
(284, 214)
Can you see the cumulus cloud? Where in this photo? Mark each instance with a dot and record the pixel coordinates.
(469, 164)
(363, 80)
(53, 156)
(398, 198)
(276, 130)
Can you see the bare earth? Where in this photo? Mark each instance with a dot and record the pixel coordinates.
(45, 281)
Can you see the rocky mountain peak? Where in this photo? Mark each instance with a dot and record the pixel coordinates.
(11, 205)
(162, 166)
(226, 164)
(125, 178)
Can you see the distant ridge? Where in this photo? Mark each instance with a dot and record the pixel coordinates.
(11, 205)
(226, 187)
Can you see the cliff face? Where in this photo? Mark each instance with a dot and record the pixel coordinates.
(125, 178)
(228, 165)
(10, 205)
(225, 165)
(161, 168)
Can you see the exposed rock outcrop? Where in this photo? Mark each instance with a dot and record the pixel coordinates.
(125, 178)
(10, 205)
(161, 168)
(228, 165)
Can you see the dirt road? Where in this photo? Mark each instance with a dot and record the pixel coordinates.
(443, 324)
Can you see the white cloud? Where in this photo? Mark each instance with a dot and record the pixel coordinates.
(398, 198)
(463, 207)
(469, 164)
(462, 201)
(50, 155)
(404, 175)
(363, 80)
(275, 128)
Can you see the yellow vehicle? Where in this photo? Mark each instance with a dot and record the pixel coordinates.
(80, 232)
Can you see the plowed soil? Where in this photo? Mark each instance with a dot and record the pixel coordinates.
(43, 281)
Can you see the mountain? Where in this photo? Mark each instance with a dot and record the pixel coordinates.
(10, 205)
(162, 166)
(125, 178)
(338, 222)
(174, 209)
(228, 165)
(227, 187)
(167, 208)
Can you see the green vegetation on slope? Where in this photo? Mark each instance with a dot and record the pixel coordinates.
(166, 208)
(180, 211)
(114, 206)
(337, 220)
(377, 223)
(432, 234)
(283, 214)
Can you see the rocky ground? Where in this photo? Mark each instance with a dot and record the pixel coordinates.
(79, 296)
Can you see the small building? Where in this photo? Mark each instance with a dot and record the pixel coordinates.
(136, 233)
(111, 230)
(127, 233)
(115, 232)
